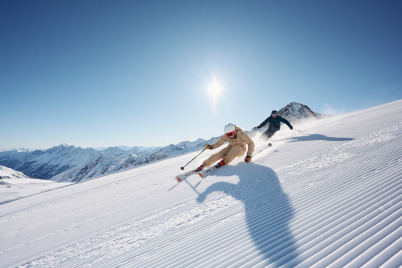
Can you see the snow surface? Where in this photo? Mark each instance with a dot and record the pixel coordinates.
(330, 196)
(15, 185)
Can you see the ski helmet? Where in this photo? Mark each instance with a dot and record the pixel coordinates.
(274, 113)
(229, 128)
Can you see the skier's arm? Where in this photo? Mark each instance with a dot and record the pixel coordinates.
(263, 123)
(286, 122)
(219, 142)
(250, 144)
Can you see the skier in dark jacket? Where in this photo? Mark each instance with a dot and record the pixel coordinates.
(274, 124)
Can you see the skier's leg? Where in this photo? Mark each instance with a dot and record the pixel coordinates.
(234, 152)
(270, 132)
(215, 157)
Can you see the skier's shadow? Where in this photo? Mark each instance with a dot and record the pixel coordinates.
(267, 207)
(314, 137)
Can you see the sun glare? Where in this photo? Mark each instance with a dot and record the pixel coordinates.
(215, 89)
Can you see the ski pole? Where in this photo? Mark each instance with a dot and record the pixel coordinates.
(269, 145)
(182, 168)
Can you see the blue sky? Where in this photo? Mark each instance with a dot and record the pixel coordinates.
(108, 73)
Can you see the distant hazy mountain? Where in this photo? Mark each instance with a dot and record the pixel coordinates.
(127, 148)
(165, 152)
(44, 164)
(8, 173)
(70, 163)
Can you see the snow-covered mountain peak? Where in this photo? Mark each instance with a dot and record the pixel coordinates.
(186, 144)
(114, 150)
(295, 111)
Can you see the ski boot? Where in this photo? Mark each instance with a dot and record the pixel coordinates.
(199, 168)
(221, 163)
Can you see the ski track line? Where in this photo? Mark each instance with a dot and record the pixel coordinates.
(388, 230)
(337, 236)
(391, 257)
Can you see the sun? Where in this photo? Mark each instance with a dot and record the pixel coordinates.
(215, 88)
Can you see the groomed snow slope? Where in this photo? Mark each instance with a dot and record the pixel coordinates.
(327, 197)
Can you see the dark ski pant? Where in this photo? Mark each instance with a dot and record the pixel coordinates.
(270, 132)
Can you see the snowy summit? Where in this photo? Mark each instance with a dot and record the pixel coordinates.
(328, 195)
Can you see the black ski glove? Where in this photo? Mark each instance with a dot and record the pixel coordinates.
(247, 159)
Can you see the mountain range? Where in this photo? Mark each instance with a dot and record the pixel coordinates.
(68, 163)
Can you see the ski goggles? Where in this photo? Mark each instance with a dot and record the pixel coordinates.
(274, 115)
(230, 134)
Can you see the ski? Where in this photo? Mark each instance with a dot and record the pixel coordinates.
(182, 177)
(207, 171)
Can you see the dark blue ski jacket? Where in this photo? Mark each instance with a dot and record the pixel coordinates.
(276, 122)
